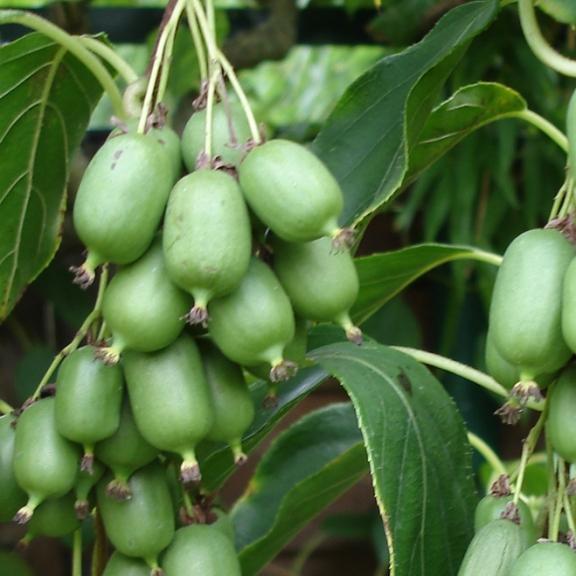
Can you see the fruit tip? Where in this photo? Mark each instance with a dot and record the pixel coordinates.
(23, 515)
(119, 490)
(87, 463)
(190, 472)
(343, 239)
(197, 315)
(283, 370)
(82, 509)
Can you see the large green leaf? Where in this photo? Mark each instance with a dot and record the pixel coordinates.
(384, 275)
(468, 109)
(46, 98)
(418, 452)
(366, 142)
(306, 468)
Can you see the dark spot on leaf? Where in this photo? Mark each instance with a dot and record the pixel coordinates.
(404, 381)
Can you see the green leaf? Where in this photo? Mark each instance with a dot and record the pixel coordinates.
(468, 109)
(419, 456)
(307, 467)
(366, 141)
(384, 275)
(46, 98)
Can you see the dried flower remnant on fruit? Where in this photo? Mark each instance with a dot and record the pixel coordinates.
(509, 413)
(501, 486)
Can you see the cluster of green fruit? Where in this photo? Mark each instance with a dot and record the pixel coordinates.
(139, 406)
(505, 543)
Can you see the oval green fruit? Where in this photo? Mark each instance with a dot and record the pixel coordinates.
(142, 526)
(120, 201)
(171, 401)
(255, 323)
(546, 559)
(88, 401)
(125, 452)
(322, 284)
(45, 463)
(12, 497)
(525, 314)
(55, 518)
(561, 425)
(493, 550)
(230, 134)
(291, 191)
(120, 565)
(492, 507)
(232, 403)
(201, 550)
(207, 238)
(569, 307)
(143, 309)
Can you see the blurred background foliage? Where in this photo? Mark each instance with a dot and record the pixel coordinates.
(497, 183)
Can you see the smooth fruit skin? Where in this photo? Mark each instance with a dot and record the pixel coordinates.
(525, 314)
(126, 450)
(322, 284)
(12, 497)
(546, 559)
(170, 398)
(491, 507)
(493, 550)
(561, 425)
(229, 147)
(569, 307)
(142, 526)
(291, 191)
(201, 550)
(45, 463)
(120, 565)
(121, 198)
(254, 323)
(55, 518)
(224, 524)
(142, 307)
(207, 238)
(232, 403)
(88, 398)
(170, 142)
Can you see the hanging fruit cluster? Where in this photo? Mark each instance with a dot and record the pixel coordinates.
(245, 249)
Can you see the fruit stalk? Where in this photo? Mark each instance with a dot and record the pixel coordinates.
(489, 455)
(77, 553)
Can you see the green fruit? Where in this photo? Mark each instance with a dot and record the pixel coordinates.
(321, 284)
(12, 497)
(294, 352)
(45, 463)
(254, 323)
(171, 401)
(291, 191)
(207, 238)
(142, 526)
(86, 481)
(55, 518)
(125, 452)
(201, 550)
(491, 508)
(232, 403)
(561, 425)
(121, 200)
(546, 559)
(13, 565)
(88, 401)
(142, 308)
(120, 565)
(230, 147)
(525, 315)
(561, 10)
(493, 550)
(223, 523)
(569, 307)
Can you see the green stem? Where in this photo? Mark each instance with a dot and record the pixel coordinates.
(489, 455)
(197, 39)
(5, 408)
(527, 450)
(74, 46)
(211, 92)
(77, 553)
(569, 513)
(157, 62)
(111, 56)
(539, 44)
(568, 200)
(483, 256)
(559, 504)
(571, 131)
(80, 335)
(454, 367)
(166, 63)
(306, 551)
(551, 483)
(545, 126)
(558, 201)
